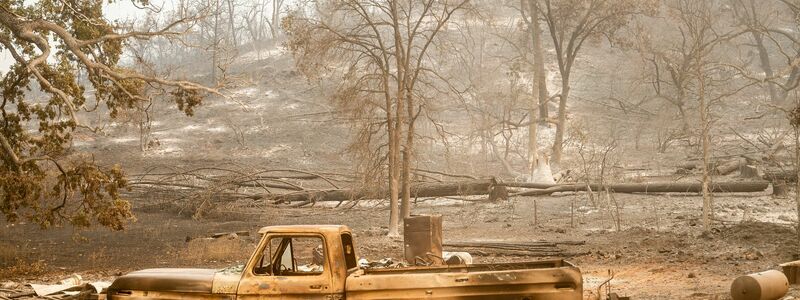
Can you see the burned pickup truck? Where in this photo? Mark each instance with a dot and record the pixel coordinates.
(319, 262)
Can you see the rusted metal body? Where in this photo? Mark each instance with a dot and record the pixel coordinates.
(767, 285)
(422, 238)
(173, 280)
(272, 274)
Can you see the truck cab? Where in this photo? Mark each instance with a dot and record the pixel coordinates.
(289, 262)
(299, 262)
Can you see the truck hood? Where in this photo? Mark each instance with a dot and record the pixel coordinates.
(166, 280)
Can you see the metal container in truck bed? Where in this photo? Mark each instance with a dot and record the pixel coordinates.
(319, 262)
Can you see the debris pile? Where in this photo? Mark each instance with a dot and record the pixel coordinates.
(70, 288)
(456, 258)
(386, 263)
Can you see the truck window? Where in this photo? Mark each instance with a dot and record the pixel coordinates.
(292, 256)
(349, 252)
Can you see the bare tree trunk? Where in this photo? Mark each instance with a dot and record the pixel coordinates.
(403, 121)
(766, 65)
(684, 118)
(398, 176)
(540, 73)
(533, 139)
(392, 124)
(405, 201)
(797, 182)
(408, 154)
(215, 49)
(399, 108)
(539, 87)
(394, 180)
(232, 25)
(555, 162)
(750, 18)
(708, 212)
(276, 14)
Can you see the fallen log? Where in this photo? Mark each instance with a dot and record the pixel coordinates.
(418, 190)
(223, 234)
(779, 175)
(488, 186)
(697, 162)
(530, 185)
(716, 167)
(501, 252)
(686, 167)
(729, 166)
(646, 187)
(511, 245)
(653, 187)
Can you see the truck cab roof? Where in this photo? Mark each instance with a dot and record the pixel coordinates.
(334, 229)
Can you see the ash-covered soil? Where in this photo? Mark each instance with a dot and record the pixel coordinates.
(658, 253)
(275, 119)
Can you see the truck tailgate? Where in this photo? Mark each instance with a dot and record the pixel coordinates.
(554, 279)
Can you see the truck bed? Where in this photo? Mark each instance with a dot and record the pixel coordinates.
(540, 280)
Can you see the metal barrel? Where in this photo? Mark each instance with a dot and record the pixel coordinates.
(767, 285)
(422, 235)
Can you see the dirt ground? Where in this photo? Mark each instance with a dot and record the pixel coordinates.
(659, 253)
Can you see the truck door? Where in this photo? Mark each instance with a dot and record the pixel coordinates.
(288, 267)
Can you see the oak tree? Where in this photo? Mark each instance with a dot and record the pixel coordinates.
(573, 23)
(381, 50)
(67, 68)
